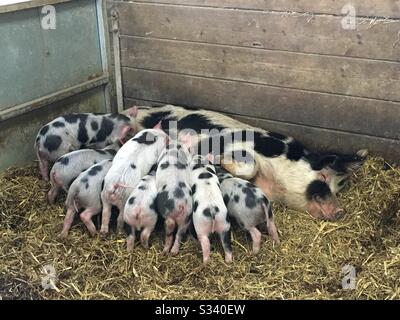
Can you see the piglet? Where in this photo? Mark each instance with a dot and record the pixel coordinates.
(140, 211)
(85, 192)
(68, 167)
(77, 131)
(248, 205)
(209, 211)
(174, 201)
(131, 163)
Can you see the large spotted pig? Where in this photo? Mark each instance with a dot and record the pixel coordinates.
(279, 165)
(174, 201)
(77, 131)
(248, 205)
(131, 163)
(209, 211)
(69, 166)
(84, 193)
(140, 211)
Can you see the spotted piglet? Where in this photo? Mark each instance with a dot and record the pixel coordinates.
(174, 201)
(69, 166)
(84, 193)
(77, 131)
(248, 205)
(131, 163)
(140, 211)
(209, 211)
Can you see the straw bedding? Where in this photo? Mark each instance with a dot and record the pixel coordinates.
(307, 264)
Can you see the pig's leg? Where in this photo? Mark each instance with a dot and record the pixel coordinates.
(205, 247)
(169, 234)
(130, 240)
(106, 217)
(120, 219)
(86, 217)
(179, 235)
(106, 213)
(69, 218)
(256, 237)
(144, 236)
(43, 166)
(53, 193)
(271, 227)
(225, 237)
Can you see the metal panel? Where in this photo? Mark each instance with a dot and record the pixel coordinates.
(36, 62)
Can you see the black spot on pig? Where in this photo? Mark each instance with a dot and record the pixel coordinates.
(268, 146)
(164, 187)
(146, 138)
(63, 160)
(194, 189)
(153, 205)
(93, 171)
(205, 175)
(133, 166)
(164, 165)
(207, 212)
(112, 152)
(180, 165)
(101, 152)
(102, 185)
(182, 184)
(295, 151)
(318, 189)
(250, 199)
(52, 142)
(197, 122)
(58, 124)
(164, 204)
(226, 198)
(142, 188)
(72, 118)
(44, 130)
(216, 209)
(87, 186)
(82, 132)
(94, 125)
(211, 170)
(106, 127)
(84, 180)
(197, 166)
(178, 193)
(195, 205)
(154, 118)
(226, 239)
(131, 200)
(236, 198)
(277, 135)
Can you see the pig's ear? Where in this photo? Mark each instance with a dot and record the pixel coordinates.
(210, 158)
(132, 111)
(187, 140)
(125, 132)
(158, 126)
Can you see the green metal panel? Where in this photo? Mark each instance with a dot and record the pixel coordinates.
(17, 135)
(36, 62)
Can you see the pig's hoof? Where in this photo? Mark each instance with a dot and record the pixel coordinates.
(63, 235)
(229, 259)
(256, 250)
(103, 232)
(174, 252)
(363, 153)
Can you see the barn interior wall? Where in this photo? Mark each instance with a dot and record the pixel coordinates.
(287, 66)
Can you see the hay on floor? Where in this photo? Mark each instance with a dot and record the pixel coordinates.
(307, 264)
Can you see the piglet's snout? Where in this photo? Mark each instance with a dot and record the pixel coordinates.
(339, 214)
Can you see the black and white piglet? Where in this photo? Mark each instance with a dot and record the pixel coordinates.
(140, 211)
(84, 193)
(209, 211)
(69, 166)
(131, 163)
(76, 131)
(248, 205)
(174, 201)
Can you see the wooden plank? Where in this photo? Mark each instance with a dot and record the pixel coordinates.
(359, 115)
(379, 8)
(348, 76)
(278, 31)
(314, 138)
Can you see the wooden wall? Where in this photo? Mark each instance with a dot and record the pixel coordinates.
(284, 65)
